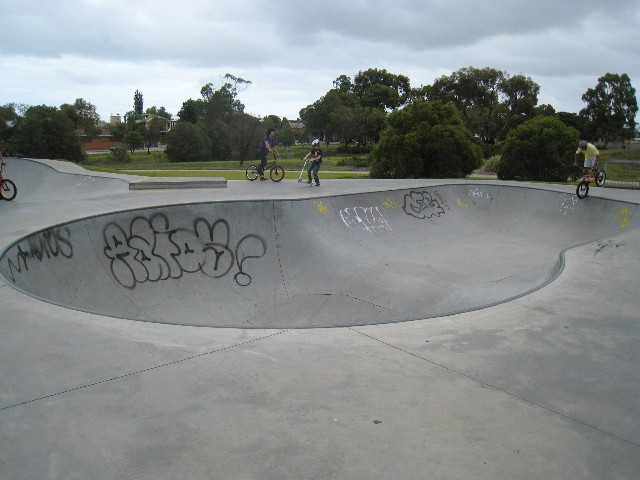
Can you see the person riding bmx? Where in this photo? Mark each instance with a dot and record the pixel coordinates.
(591, 156)
(267, 145)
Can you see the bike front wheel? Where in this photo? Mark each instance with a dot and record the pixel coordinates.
(8, 190)
(582, 190)
(601, 177)
(251, 172)
(276, 173)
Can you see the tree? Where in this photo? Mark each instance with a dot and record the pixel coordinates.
(187, 142)
(47, 132)
(286, 137)
(159, 112)
(8, 120)
(539, 149)
(191, 111)
(84, 117)
(138, 103)
(323, 117)
(134, 140)
(611, 108)
(489, 100)
(242, 135)
(380, 89)
(425, 140)
(153, 132)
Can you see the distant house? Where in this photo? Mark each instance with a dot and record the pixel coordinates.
(104, 141)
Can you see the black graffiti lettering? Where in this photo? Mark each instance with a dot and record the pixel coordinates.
(149, 250)
(422, 205)
(250, 246)
(63, 236)
(41, 247)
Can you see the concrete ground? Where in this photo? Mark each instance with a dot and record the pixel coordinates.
(365, 329)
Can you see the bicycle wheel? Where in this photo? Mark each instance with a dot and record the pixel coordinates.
(276, 173)
(601, 177)
(251, 172)
(582, 190)
(8, 190)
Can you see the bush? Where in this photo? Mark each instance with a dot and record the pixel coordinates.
(491, 165)
(187, 142)
(120, 154)
(491, 149)
(425, 140)
(540, 149)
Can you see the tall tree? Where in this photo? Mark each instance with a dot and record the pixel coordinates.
(611, 108)
(489, 100)
(138, 103)
(47, 132)
(381, 89)
(84, 117)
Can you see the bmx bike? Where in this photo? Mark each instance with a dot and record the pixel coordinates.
(594, 176)
(8, 189)
(276, 172)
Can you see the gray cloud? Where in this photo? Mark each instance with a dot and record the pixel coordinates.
(103, 50)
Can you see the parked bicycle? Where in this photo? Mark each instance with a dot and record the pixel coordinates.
(276, 172)
(8, 189)
(594, 176)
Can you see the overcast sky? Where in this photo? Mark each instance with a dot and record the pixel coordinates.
(54, 51)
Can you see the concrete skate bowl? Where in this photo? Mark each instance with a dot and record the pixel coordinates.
(339, 261)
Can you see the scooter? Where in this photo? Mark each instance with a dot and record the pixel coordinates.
(302, 171)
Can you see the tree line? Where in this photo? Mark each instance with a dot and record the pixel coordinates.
(442, 129)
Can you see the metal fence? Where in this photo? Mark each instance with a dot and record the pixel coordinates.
(622, 173)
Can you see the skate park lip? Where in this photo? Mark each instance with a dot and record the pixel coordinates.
(338, 261)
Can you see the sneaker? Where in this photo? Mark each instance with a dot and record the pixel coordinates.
(308, 182)
(262, 178)
(317, 184)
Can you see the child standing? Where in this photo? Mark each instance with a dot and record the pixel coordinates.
(315, 161)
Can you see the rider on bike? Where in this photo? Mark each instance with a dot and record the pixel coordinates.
(267, 145)
(591, 156)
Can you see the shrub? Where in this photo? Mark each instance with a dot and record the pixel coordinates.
(491, 165)
(425, 140)
(120, 154)
(540, 149)
(187, 142)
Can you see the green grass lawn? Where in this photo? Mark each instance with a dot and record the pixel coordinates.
(155, 164)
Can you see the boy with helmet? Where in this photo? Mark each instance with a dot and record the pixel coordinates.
(315, 161)
(591, 155)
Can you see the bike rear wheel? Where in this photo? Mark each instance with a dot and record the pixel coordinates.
(601, 177)
(582, 189)
(251, 172)
(276, 173)
(8, 190)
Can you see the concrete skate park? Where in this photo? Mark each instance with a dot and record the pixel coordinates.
(407, 329)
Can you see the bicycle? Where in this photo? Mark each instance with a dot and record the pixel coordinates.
(8, 189)
(594, 176)
(276, 172)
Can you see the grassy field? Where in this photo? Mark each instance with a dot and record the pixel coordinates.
(155, 164)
